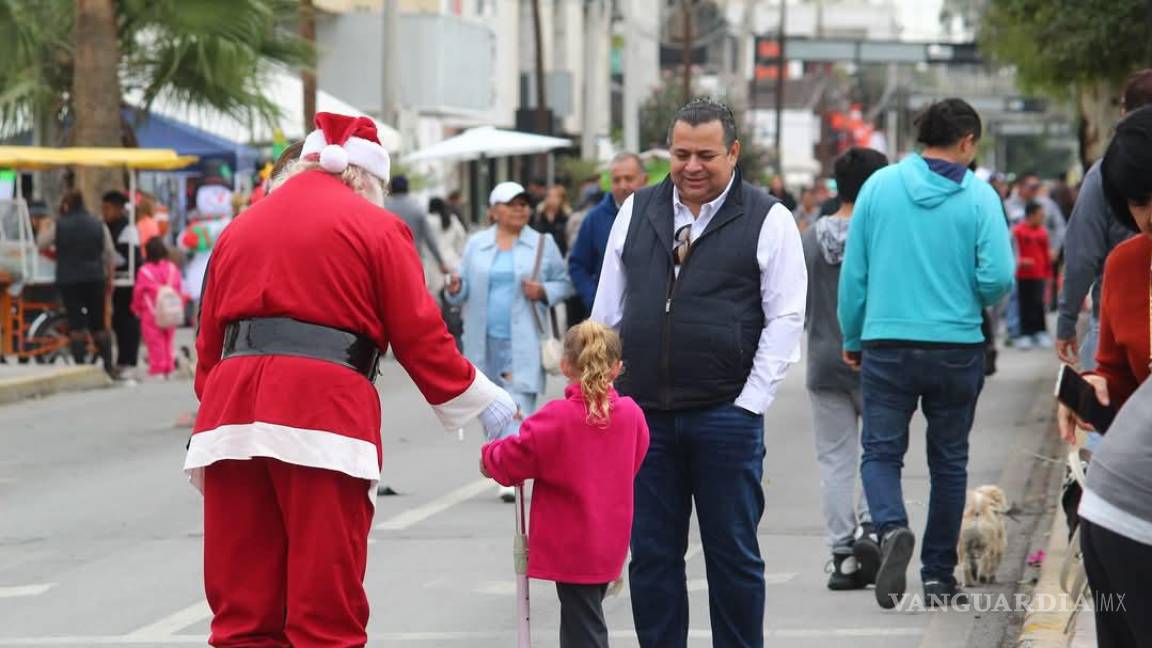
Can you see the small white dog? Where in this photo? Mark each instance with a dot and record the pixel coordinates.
(983, 536)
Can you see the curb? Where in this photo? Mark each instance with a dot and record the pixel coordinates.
(1051, 629)
(13, 390)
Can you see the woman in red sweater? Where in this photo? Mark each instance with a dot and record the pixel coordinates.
(1124, 354)
(583, 453)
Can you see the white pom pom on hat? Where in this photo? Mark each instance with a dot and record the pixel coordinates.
(343, 140)
(333, 159)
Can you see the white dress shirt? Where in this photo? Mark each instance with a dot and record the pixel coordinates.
(783, 289)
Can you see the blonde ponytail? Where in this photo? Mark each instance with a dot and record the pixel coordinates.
(593, 350)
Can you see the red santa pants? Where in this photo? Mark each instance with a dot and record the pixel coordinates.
(285, 548)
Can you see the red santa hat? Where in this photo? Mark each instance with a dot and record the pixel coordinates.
(341, 140)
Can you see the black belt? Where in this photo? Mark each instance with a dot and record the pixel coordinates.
(283, 336)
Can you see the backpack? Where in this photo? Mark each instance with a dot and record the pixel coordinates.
(168, 310)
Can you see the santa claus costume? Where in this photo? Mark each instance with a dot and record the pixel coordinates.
(301, 296)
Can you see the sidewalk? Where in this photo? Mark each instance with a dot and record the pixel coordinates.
(22, 381)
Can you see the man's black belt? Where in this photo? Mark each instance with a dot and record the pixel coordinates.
(282, 336)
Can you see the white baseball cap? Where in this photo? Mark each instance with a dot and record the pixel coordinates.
(506, 192)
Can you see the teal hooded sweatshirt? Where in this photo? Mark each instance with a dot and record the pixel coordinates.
(925, 254)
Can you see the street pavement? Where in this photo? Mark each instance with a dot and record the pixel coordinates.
(100, 533)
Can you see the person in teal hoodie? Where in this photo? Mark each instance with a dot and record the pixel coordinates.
(927, 250)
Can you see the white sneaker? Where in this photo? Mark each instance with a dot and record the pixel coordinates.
(507, 494)
(1042, 340)
(1023, 343)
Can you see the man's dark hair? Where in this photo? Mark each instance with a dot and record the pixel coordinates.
(115, 198)
(946, 122)
(73, 201)
(437, 206)
(1126, 171)
(705, 110)
(155, 250)
(853, 168)
(1137, 90)
(1032, 207)
(398, 185)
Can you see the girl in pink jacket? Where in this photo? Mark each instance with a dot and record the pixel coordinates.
(583, 453)
(158, 300)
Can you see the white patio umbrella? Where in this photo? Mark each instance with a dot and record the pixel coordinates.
(488, 142)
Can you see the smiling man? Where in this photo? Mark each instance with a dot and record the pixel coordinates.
(704, 277)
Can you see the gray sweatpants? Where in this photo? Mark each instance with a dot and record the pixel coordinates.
(836, 422)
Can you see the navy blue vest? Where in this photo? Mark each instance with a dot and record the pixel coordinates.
(690, 342)
(79, 249)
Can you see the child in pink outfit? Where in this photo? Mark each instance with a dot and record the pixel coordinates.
(583, 453)
(158, 271)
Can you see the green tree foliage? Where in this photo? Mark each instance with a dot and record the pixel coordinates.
(201, 53)
(1057, 44)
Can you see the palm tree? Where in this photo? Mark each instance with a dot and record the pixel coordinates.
(73, 63)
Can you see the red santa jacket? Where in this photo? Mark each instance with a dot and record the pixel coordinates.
(315, 251)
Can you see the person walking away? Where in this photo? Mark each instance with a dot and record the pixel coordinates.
(927, 249)
(834, 388)
(286, 448)
(450, 236)
(125, 324)
(704, 278)
(416, 217)
(1033, 268)
(583, 453)
(85, 263)
(158, 300)
(508, 271)
(584, 264)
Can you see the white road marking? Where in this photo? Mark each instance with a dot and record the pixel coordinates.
(18, 591)
(403, 637)
(173, 623)
(417, 515)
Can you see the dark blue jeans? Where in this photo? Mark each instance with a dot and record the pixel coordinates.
(946, 383)
(714, 456)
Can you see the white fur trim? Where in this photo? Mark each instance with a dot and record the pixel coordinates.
(367, 155)
(333, 159)
(299, 446)
(466, 407)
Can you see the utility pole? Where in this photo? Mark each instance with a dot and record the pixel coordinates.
(542, 125)
(390, 99)
(308, 75)
(780, 73)
(686, 8)
(738, 91)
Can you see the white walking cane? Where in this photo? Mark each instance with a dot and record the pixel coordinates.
(520, 560)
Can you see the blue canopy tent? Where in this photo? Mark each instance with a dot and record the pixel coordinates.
(157, 131)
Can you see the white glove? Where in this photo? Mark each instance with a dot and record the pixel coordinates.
(498, 414)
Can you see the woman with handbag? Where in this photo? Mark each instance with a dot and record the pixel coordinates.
(508, 281)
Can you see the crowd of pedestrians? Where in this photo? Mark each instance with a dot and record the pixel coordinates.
(699, 290)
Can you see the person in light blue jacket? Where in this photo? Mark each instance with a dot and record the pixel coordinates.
(927, 250)
(496, 287)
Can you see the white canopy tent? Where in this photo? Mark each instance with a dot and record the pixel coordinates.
(285, 90)
(487, 142)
